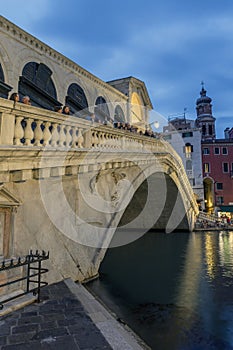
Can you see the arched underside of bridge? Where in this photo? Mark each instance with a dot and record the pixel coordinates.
(162, 209)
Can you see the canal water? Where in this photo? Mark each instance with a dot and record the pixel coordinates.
(174, 290)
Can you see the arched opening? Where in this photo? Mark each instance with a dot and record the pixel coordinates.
(4, 88)
(101, 110)
(36, 82)
(209, 194)
(76, 100)
(119, 114)
(136, 109)
(188, 149)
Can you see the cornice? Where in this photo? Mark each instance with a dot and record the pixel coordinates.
(43, 49)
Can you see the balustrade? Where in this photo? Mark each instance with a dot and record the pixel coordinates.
(37, 127)
(40, 132)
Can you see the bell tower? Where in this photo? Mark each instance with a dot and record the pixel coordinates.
(205, 119)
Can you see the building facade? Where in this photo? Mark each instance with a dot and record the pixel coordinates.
(32, 68)
(217, 160)
(185, 138)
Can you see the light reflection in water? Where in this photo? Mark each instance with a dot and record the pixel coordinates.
(210, 254)
(226, 253)
(173, 290)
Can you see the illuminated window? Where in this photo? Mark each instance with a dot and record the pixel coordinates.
(206, 167)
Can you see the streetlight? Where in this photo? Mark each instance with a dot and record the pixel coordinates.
(155, 124)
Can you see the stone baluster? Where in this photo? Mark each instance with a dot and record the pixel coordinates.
(110, 143)
(80, 138)
(101, 139)
(54, 135)
(104, 142)
(19, 132)
(46, 134)
(68, 136)
(94, 138)
(74, 140)
(114, 141)
(28, 132)
(62, 136)
(38, 133)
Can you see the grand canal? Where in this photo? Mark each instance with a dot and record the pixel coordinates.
(174, 290)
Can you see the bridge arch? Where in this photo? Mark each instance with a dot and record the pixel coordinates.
(76, 99)
(101, 109)
(119, 115)
(36, 81)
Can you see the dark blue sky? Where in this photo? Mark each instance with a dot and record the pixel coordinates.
(171, 45)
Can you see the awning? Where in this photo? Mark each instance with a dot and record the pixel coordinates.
(226, 208)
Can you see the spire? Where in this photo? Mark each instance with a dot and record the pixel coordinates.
(205, 119)
(203, 91)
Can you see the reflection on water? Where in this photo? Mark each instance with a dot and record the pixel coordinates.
(175, 291)
(226, 253)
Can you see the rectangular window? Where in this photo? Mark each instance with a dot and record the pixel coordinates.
(225, 167)
(224, 150)
(219, 200)
(206, 168)
(187, 134)
(216, 150)
(206, 150)
(219, 186)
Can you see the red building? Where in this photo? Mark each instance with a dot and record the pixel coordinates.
(217, 160)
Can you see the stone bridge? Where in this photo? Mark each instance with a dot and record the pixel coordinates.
(76, 188)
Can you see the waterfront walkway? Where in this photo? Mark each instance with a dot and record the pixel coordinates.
(68, 317)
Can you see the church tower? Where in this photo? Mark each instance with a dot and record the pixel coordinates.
(205, 119)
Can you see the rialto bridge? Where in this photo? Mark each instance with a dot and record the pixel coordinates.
(73, 187)
(69, 186)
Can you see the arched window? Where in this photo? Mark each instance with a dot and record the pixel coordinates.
(4, 88)
(119, 114)
(101, 110)
(76, 100)
(210, 129)
(188, 149)
(36, 82)
(203, 129)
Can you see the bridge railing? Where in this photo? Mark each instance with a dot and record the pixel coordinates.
(22, 125)
(26, 127)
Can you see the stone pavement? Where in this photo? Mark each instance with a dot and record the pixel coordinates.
(68, 317)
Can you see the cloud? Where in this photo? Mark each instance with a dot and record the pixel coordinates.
(24, 14)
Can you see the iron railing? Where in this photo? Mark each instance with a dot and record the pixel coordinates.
(32, 275)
